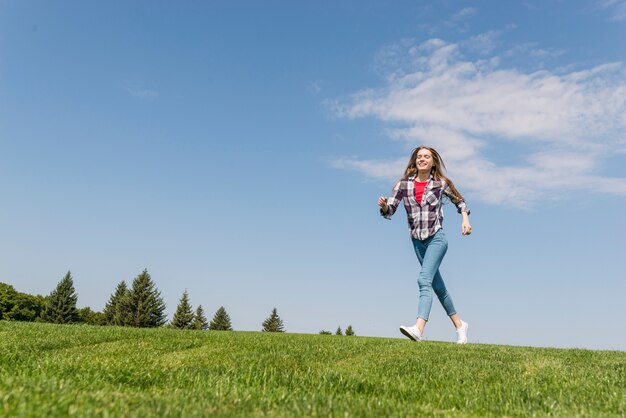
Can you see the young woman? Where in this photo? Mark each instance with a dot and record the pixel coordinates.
(422, 190)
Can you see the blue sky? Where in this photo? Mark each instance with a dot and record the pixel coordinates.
(237, 150)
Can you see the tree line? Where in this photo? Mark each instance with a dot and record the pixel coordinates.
(349, 332)
(139, 305)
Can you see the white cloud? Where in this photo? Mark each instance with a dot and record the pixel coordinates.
(617, 8)
(533, 55)
(483, 43)
(560, 124)
(374, 169)
(463, 14)
(459, 19)
(142, 93)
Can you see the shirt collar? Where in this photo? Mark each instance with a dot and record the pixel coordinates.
(413, 178)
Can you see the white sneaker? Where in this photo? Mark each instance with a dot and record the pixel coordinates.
(411, 332)
(461, 333)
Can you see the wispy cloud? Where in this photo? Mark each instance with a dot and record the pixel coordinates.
(617, 8)
(463, 14)
(483, 43)
(533, 54)
(561, 125)
(459, 19)
(315, 87)
(141, 93)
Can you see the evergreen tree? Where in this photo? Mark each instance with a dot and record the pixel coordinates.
(350, 331)
(114, 313)
(60, 305)
(273, 323)
(199, 320)
(221, 321)
(338, 332)
(322, 332)
(183, 317)
(145, 303)
(124, 314)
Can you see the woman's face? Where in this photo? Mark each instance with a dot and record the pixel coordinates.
(424, 160)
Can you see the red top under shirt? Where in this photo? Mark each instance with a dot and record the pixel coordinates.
(419, 190)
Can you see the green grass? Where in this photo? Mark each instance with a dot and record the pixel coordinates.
(65, 370)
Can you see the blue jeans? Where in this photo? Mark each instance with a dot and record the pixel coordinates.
(430, 253)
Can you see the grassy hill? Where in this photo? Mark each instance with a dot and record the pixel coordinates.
(64, 370)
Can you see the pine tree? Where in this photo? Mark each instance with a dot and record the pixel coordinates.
(183, 317)
(273, 323)
(338, 332)
(145, 303)
(199, 320)
(124, 315)
(115, 311)
(60, 305)
(323, 332)
(350, 331)
(221, 321)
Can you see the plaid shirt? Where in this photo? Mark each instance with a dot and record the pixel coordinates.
(425, 217)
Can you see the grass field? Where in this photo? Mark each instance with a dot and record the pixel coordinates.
(64, 370)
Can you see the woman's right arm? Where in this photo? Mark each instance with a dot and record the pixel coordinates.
(389, 205)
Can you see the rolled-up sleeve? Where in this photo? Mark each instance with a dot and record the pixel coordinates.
(460, 204)
(393, 201)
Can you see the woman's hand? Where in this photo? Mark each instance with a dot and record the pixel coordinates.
(466, 228)
(382, 202)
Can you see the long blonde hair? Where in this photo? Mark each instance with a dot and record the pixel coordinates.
(437, 170)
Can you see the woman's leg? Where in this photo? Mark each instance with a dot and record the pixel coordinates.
(430, 253)
(446, 301)
(442, 294)
(456, 321)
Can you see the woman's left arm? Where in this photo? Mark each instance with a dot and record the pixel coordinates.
(462, 208)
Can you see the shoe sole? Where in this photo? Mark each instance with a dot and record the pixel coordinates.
(408, 334)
